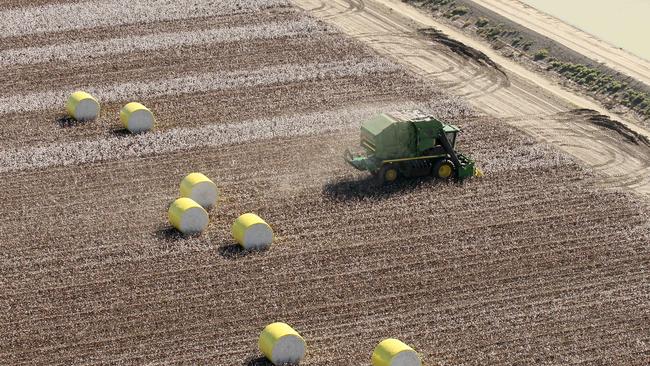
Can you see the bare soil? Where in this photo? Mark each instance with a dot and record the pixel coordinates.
(32, 129)
(482, 272)
(155, 65)
(461, 48)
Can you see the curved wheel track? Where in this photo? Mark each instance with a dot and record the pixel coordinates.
(524, 99)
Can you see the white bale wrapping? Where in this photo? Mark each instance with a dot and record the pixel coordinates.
(187, 216)
(406, 359)
(281, 344)
(137, 118)
(393, 352)
(82, 106)
(251, 232)
(199, 188)
(288, 349)
(86, 110)
(194, 221)
(258, 236)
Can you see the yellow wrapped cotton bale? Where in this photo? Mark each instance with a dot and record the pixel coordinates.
(199, 188)
(280, 344)
(393, 352)
(187, 216)
(136, 118)
(251, 232)
(82, 106)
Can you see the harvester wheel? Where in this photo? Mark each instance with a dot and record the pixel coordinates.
(388, 174)
(443, 169)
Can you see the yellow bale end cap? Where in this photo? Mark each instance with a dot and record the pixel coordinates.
(187, 216)
(281, 344)
(199, 188)
(393, 352)
(82, 106)
(136, 118)
(251, 232)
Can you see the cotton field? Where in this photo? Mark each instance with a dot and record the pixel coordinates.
(533, 263)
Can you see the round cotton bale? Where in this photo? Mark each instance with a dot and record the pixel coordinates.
(199, 188)
(251, 232)
(187, 216)
(281, 344)
(136, 118)
(393, 352)
(82, 106)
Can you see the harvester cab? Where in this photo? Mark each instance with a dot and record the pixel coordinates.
(410, 143)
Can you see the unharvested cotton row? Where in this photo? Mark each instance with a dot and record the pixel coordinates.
(102, 13)
(88, 51)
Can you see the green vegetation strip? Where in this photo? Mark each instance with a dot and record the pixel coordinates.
(599, 82)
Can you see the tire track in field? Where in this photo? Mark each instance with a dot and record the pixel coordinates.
(57, 201)
(243, 331)
(149, 222)
(471, 267)
(298, 223)
(199, 309)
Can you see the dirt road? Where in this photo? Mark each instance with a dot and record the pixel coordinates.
(524, 99)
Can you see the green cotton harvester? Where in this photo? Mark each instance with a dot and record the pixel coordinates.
(411, 144)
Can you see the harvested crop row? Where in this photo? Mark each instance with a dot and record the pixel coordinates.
(263, 177)
(531, 264)
(256, 179)
(148, 226)
(91, 14)
(274, 75)
(209, 135)
(89, 52)
(153, 65)
(41, 128)
(521, 294)
(99, 34)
